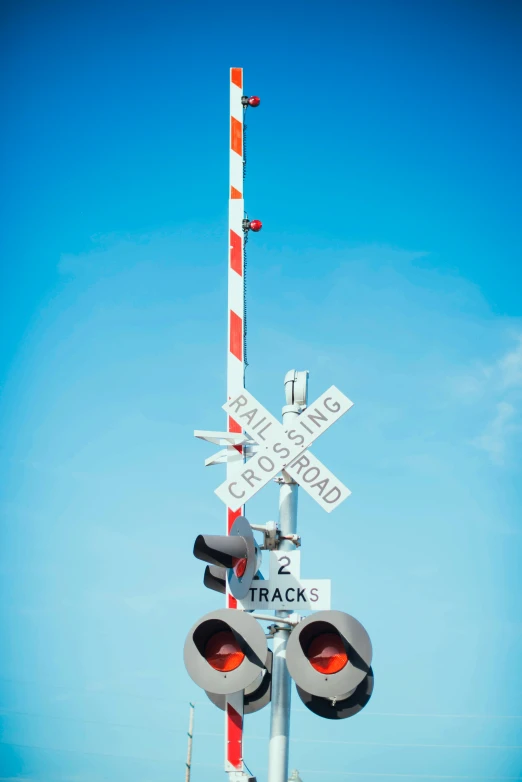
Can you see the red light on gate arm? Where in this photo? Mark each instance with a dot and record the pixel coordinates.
(327, 654)
(255, 225)
(239, 567)
(254, 101)
(223, 653)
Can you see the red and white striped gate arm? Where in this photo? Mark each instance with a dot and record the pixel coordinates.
(236, 293)
(235, 362)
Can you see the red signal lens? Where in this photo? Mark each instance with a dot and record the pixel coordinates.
(254, 101)
(256, 225)
(327, 654)
(223, 652)
(240, 567)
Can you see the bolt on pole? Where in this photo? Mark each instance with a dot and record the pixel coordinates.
(281, 692)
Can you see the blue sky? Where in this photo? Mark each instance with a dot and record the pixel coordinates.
(385, 164)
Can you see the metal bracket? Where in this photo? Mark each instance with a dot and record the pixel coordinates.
(296, 539)
(282, 479)
(227, 455)
(221, 438)
(272, 536)
(291, 620)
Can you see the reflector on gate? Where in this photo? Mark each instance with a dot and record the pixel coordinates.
(339, 708)
(225, 651)
(237, 552)
(329, 654)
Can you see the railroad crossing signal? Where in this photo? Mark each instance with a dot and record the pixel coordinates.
(226, 651)
(329, 657)
(328, 653)
(234, 558)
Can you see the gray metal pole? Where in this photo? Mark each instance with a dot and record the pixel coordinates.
(281, 692)
(189, 748)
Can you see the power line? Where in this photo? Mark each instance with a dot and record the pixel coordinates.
(364, 713)
(297, 740)
(404, 776)
(396, 744)
(83, 752)
(304, 740)
(444, 716)
(86, 752)
(386, 774)
(305, 771)
(429, 716)
(6, 713)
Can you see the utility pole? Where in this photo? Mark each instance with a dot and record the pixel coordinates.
(189, 747)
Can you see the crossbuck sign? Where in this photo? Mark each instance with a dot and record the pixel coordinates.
(285, 448)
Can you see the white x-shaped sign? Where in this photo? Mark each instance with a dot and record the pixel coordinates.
(285, 448)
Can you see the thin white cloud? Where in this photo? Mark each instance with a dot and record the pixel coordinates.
(510, 366)
(498, 376)
(496, 386)
(494, 438)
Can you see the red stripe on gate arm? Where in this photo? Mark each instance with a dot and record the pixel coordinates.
(236, 263)
(232, 515)
(236, 77)
(236, 335)
(235, 736)
(232, 602)
(236, 135)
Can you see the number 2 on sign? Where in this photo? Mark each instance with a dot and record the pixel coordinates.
(284, 562)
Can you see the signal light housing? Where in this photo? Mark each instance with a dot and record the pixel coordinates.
(346, 652)
(225, 651)
(234, 558)
(215, 578)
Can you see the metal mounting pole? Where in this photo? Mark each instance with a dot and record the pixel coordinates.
(281, 692)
